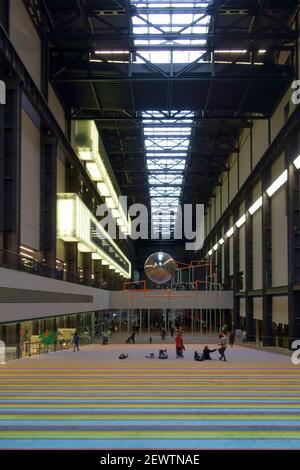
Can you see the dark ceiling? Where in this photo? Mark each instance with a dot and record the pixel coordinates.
(224, 96)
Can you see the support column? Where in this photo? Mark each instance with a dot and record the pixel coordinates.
(98, 272)
(250, 326)
(72, 179)
(2, 153)
(72, 261)
(10, 171)
(18, 338)
(105, 276)
(219, 261)
(45, 67)
(236, 275)
(141, 319)
(267, 330)
(48, 176)
(87, 268)
(226, 260)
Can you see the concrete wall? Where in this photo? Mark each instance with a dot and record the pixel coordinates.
(30, 183)
(154, 299)
(27, 282)
(257, 250)
(233, 177)
(279, 239)
(241, 167)
(280, 310)
(243, 307)
(25, 39)
(260, 139)
(56, 108)
(244, 160)
(257, 308)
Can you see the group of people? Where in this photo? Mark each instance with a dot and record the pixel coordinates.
(205, 355)
(185, 286)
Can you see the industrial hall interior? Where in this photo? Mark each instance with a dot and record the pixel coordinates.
(149, 224)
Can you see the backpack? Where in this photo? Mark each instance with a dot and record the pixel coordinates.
(123, 356)
(163, 354)
(198, 356)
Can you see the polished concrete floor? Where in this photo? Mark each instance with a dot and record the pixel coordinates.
(92, 400)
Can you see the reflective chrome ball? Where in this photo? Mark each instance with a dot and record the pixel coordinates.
(159, 267)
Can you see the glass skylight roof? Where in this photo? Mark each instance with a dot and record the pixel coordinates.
(167, 134)
(149, 23)
(166, 146)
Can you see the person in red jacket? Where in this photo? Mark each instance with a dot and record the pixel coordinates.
(179, 346)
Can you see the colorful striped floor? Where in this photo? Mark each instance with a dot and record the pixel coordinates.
(93, 400)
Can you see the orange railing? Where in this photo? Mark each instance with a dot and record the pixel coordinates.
(134, 284)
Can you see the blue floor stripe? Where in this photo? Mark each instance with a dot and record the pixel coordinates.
(266, 444)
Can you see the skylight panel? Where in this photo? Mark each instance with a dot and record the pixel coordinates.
(150, 23)
(159, 18)
(140, 30)
(183, 18)
(167, 134)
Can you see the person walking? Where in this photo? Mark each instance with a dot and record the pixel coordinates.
(231, 338)
(223, 346)
(163, 333)
(131, 339)
(244, 336)
(179, 346)
(76, 340)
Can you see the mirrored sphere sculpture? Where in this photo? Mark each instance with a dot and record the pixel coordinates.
(159, 267)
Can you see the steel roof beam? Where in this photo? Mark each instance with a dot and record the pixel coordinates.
(231, 117)
(238, 36)
(113, 79)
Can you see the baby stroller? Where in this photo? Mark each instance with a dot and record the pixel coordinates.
(198, 356)
(163, 354)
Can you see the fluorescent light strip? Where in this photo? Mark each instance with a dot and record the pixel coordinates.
(280, 181)
(221, 241)
(215, 247)
(210, 252)
(241, 221)
(297, 162)
(26, 255)
(256, 205)
(26, 249)
(230, 232)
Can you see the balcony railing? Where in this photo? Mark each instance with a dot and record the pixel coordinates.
(12, 260)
